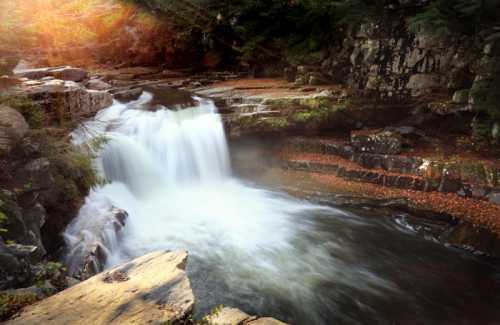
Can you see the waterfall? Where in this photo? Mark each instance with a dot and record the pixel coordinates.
(170, 171)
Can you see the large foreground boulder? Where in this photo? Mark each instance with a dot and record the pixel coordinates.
(152, 289)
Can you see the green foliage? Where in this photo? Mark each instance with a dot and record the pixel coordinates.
(32, 112)
(72, 166)
(448, 17)
(260, 30)
(10, 303)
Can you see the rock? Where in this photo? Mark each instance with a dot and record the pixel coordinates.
(72, 281)
(63, 73)
(148, 290)
(87, 242)
(494, 197)
(128, 95)
(69, 73)
(13, 271)
(461, 96)
(234, 316)
(421, 83)
(22, 251)
(6, 82)
(266, 321)
(37, 73)
(380, 142)
(13, 127)
(66, 99)
(228, 316)
(96, 84)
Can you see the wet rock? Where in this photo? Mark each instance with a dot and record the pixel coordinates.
(380, 142)
(157, 289)
(477, 240)
(128, 95)
(88, 240)
(13, 127)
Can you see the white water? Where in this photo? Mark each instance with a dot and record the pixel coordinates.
(170, 171)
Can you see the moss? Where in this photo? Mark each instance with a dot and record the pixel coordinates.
(32, 112)
(277, 122)
(10, 303)
(316, 113)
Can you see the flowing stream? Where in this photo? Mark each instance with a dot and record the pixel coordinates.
(261, 250)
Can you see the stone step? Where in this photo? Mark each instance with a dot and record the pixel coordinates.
(401, 181)
(445, 183)
(476, 178)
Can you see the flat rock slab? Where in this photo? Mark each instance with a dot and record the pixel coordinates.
(152, 289)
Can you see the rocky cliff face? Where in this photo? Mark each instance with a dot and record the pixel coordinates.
(385, 58)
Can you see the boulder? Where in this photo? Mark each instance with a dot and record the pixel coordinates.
(128, 95)
(152, 289)
(96, 84)
(234, 316)
(13, 127)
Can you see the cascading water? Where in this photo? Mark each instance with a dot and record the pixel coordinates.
(251, 248)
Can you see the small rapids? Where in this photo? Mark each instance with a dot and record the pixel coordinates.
(252, 248)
